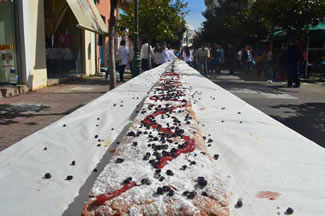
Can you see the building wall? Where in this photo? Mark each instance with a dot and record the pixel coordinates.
(104, 8)
(34, 41)
(89, 53)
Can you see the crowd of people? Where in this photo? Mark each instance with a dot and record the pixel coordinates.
(210, 59)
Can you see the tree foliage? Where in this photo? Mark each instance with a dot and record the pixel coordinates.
(237, 21)
(158, 19)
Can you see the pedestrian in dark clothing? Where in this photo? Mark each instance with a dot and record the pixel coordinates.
(294, 55)
(247, 58)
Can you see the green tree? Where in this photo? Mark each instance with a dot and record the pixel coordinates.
(158, 20)
(111, 34)
(290, 15)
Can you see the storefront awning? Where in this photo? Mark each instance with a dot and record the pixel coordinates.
(88, 16)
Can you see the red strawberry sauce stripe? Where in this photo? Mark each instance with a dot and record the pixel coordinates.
(189, 147)
(101, 199)
(190, 143)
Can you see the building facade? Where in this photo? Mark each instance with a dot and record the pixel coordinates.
(44, 39)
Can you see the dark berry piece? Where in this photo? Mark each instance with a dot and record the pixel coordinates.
(162, 178)
(171, 193)
(239, 203)
(192, 163)
(289, 211)
(119, 160)
(69, 177)
(169, 173)
(146, 156)
(203, 153)
(184, 167)
(145, 181)
(166, 188)
(97, 125)
(95, 170)
(114, 105)
(186, 193)
(160, 191)
(216, 156)
(73, 163)
(99, 140)
(209, 145)
(204, 194)
(98, 118)
(202, 182)
(96, 136)
(47, 176)
(44, 149)
(134, 144)
(64, 125)
(112, 129)
(127, 181)
(118, 143)
(191, 195)
(210, 140)
(158, 171)
(98, 145)
(131, 133)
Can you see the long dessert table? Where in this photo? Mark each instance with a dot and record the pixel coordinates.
(267, 166)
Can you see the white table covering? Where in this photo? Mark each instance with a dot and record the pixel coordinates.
(257, 153)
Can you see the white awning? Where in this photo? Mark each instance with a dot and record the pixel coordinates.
(88, 16)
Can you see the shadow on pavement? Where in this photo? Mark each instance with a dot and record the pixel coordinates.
(277, 88)
(8, 112)
(307, 119)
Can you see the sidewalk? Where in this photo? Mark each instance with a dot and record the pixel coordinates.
(23, 115)
(301, 109)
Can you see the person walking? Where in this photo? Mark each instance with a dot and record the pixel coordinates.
(247, 58)
(122, 59)
(144, 54)
(188, 55)
(203, 54)
(294, 55)
(269, 63)
(160, 55)
(214, 59)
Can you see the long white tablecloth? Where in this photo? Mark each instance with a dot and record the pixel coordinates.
(257, 153)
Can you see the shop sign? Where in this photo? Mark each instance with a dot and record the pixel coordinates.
(6, 46)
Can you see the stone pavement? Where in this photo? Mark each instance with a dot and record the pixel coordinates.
(301, 109)
(23, 115)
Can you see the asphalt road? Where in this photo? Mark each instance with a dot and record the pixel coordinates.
(301, 109)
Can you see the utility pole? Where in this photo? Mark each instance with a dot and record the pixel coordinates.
(137, 60)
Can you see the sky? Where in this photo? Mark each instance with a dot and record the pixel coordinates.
(194, 17)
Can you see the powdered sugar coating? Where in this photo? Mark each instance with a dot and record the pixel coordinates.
(144, 199)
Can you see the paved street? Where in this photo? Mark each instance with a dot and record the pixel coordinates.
(301, 109)
(23, 115)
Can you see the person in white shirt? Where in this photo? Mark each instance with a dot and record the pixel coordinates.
(123, 59)
(188, 55)
(160, 55)
(144, 54)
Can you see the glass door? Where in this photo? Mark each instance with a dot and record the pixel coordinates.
(8, 61)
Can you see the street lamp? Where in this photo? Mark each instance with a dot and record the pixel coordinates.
(136, 60)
